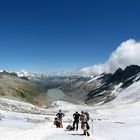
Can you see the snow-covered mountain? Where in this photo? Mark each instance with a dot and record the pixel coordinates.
(87, 88)
(29, 75)
(120, 80)
(99, 89)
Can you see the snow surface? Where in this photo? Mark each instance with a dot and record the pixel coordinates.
(30, 75)
(94, 79)
(116, 120)
(19, 106)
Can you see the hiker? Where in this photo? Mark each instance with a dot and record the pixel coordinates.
(57, 122)
(60, 115)
(76, 117)
(84, 117)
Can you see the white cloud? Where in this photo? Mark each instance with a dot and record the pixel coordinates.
(93, 70)
(128, 53)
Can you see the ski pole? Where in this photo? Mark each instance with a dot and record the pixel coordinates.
(92, 125)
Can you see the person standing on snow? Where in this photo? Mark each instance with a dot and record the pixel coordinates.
(76, 117)
(84, 117)
(60, 115)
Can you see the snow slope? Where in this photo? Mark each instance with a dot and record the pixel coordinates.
(116, 120)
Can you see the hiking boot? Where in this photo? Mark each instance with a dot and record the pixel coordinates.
(84, 133)
(88, 134)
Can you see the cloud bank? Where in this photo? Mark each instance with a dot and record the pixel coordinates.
(128, 53)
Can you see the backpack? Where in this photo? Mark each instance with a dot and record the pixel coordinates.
(69, 128)
(87, 114)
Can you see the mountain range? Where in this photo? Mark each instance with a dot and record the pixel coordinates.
(92, 90)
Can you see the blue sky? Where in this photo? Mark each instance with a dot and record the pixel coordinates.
(56, 35)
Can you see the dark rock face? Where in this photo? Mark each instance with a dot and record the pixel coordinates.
(117, 76)
(131, 70)
(122, 75)
(125, 77)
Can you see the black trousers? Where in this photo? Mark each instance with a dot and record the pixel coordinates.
(75, 122)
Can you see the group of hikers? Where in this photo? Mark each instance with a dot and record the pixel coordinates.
(83, 118)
